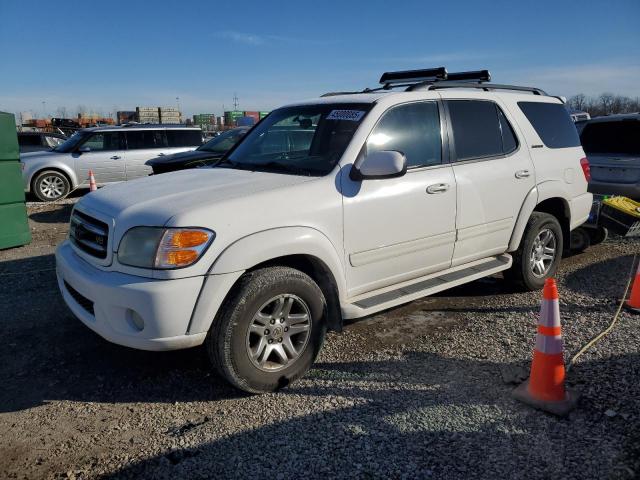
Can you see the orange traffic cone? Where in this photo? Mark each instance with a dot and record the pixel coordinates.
(633, 303)
(545, 388)
(92, 182)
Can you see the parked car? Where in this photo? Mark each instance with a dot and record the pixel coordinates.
(113, 154)
(39, 141)
(205, 154)
(612, 144)
(388, 197)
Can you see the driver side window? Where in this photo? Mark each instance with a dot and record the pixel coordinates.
(104, 141)
(413, 129)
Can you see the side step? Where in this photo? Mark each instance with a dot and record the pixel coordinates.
(395, 295)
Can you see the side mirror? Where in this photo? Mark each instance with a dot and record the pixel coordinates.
(84, 150)
(379, 165)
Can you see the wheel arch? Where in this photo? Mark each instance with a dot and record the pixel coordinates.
(305, 249)
(549, 197)
(69, 175)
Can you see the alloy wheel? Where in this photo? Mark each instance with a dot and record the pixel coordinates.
(52, 187)
(279, 332)
(543, 253)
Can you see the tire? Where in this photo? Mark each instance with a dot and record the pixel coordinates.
(598, 235)
(580, 240)
(522, 272)
(50, 185)
(248, 323)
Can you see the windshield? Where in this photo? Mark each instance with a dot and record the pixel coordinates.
(302, 140)
(223, 142)
(612, 137)
(72, 142)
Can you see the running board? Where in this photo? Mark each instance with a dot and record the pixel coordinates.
(395, 295)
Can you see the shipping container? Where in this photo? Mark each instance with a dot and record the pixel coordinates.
(245, 122)
(263, 114)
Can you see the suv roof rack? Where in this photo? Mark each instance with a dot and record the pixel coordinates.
(439, 78)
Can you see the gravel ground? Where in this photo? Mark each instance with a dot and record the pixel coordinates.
(421, 391)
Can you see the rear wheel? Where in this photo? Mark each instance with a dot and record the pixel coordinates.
(538, 256)
(269, 331)
(50, 185)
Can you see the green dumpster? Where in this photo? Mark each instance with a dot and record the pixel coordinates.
(14, 227)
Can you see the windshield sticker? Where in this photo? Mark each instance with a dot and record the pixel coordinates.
(350, 115)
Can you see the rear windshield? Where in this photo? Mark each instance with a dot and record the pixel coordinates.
(612, 137)
(552, 123)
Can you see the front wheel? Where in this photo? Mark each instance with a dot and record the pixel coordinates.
(538, 256)
(269, 331)
(50, 185)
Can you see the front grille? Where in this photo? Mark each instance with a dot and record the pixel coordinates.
(89, 234)
(80, 299)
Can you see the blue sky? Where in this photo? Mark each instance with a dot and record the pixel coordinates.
(118, 54)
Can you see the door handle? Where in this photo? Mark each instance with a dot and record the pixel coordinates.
(115, 157)
(161, 154)
(523, 174)
(438, 188)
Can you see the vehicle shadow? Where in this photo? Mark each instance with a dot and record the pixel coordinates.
(420, 416)
(604, 280)
(62, 214)
(48, 354)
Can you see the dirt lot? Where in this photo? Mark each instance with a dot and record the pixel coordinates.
(422, 391)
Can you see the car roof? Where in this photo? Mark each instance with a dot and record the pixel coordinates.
(139, 127)
(616, 117)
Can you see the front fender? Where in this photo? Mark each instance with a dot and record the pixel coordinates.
(254, 249)
(33, 167)
(267, 245)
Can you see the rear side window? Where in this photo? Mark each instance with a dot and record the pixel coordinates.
(480, 130)
(413, 129)
(612, 137)
(139, 139)
(184, 138)
(552, 123)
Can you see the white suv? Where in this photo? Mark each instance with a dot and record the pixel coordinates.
(329, 209)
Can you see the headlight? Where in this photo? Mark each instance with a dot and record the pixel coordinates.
(164, 248)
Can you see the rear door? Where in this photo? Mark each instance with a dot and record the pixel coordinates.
(493, 172)
(105, 158)
(143, 145)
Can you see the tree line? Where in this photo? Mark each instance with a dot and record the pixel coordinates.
(604, 104)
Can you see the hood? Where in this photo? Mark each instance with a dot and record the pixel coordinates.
(24, 157)
(154, 200)
(182, 157)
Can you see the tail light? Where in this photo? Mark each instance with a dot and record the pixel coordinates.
(586, 169)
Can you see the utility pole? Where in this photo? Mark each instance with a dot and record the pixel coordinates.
(44, 109)
(235, 102)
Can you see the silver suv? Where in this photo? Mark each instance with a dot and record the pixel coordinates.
(113, 154)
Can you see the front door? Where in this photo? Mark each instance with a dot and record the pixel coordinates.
(105, 158)
(493, 171)
(401, 228)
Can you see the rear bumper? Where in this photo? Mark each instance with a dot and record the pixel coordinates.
(630, 190)
(580, 209)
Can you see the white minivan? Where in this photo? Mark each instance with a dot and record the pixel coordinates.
(329, 209)
(113, 154)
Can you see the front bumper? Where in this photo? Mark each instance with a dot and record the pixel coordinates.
(107, 303)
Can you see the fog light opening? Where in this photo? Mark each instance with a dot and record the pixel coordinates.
(136, 321)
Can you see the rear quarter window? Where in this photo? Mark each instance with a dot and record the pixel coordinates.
(552, 123)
